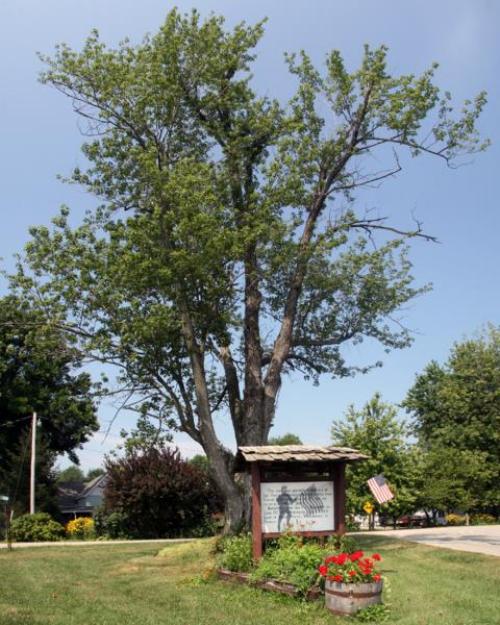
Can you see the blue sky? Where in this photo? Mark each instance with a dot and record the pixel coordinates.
(39, 138)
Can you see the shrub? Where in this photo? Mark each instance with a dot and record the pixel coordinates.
(36, 527)
(482, 519)
(160, 494)
(112, 525)
(209, 527)
(81, 527)
(236, 553)
(455, 519)
(351, 525)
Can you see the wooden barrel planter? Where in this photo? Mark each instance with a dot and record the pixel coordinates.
(347, 599)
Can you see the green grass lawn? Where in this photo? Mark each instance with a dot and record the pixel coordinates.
(129, 585)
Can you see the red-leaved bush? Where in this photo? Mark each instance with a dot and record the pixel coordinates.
(159, 495)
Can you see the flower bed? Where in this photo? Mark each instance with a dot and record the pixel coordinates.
(289, 566)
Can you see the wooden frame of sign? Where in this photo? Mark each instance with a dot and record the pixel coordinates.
(316, 479)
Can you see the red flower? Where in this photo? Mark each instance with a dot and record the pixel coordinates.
(351, 573)
(332, 559)
(377, 577)
(376, 556)
(342, 558)
(337, 578)
(356, 556)
(323, 570)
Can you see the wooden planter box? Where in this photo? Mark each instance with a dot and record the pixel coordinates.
(272, 585)
(347, 599)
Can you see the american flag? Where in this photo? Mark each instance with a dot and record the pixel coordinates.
(379, 488)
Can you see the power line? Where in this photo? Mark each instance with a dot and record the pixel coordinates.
(9, 423)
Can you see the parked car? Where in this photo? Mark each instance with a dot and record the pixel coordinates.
(407, 520)
(411, 520)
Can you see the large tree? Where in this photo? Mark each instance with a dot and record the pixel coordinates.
(456, 410)
(228, 250)
(37, 375)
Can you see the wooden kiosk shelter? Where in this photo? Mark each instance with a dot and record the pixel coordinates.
(296, 487)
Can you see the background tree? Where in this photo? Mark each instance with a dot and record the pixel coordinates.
(72, 473)
(158, 494)
(93, 473)
(285, 439)
(15, 474)
(146, 435)
(376, 431)
(453, 479)
(200, 461)
(456, 410)
(36, 374)
(228, 250)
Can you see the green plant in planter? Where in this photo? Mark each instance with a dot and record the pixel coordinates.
(294, 563)
(291, 558)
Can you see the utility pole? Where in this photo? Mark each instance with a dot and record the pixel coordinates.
(33, 463)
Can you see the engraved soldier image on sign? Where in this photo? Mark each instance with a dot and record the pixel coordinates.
(297, 506)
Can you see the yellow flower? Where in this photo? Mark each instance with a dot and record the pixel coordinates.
(81, 527)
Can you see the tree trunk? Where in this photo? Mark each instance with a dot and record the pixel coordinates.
(234, 513)
(218, 456)
(236, 490)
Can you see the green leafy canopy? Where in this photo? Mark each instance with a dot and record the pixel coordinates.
(456, 412)
(228, 249)
(38, 374)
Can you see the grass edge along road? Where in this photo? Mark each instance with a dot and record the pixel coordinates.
(132, 585)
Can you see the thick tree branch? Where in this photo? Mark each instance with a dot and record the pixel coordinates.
(283, 341)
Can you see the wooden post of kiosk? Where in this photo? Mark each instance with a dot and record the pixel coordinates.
(256, 513)
(339, 494)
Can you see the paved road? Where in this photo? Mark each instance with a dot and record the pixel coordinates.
(86, 543)
(475, 538)
(478, 539)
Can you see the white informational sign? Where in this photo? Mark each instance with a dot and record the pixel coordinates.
(297, 506)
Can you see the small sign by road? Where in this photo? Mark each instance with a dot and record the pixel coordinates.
(368, 507)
